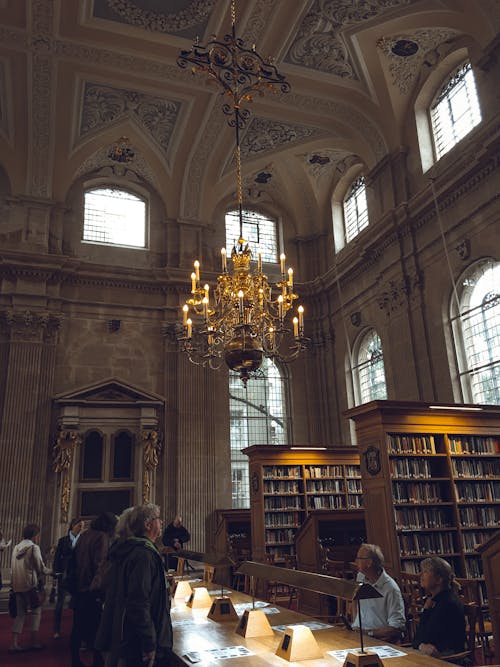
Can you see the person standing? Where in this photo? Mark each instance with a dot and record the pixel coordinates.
(88, 555)
(28, 570)
(384, 617)
(135, 627)
(174, 536)
(64, 550)
(441, 628)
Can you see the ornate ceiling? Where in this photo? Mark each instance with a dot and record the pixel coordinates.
(75, 75)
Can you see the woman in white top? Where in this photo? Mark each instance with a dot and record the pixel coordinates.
(28, 570)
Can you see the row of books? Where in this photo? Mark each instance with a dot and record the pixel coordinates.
(473, 538)
(270, 472)
(411, 468)
(352, 471)
(324, 471)
(326, 502)
(279, 552)
(416, 518)
(280, 536)
(325, 486)
(417, 544)
(416, 492)
(411, 444)
(413, 566)
(475, 467)
(489, 517)
(484, 492)
(275, 486)
(354, 486)
(277, 519)
(473, 568)
(474, 444)
(283, 503)
(354, 501)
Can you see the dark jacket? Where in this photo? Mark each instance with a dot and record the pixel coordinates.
(90, 551)
(172, 533)
(63, 554)
(443, 624)
(136, 614)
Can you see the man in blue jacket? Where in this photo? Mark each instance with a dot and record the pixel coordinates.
(135, 627)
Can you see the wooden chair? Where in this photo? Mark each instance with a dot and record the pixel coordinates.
(471, 614)
(471, 594)
(413, 598)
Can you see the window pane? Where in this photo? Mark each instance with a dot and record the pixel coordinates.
(480, 325)
(258, 230)
(455, 111)
(92, 503)
(370, 369)
(355, 210)
(115, 217)
(122, 456)
(257, 416)
(92, 456)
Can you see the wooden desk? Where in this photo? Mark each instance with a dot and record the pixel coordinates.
(202, 634)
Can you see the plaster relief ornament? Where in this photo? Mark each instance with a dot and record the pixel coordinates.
(145, 15)
(320, 44)
(406, 53)
(264, 134)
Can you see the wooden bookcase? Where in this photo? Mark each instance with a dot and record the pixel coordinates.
(233, 532)
(340, 532)
(287, 483)
(431, 479)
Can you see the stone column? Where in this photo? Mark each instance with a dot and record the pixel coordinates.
(27, 357)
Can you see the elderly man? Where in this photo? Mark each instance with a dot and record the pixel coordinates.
(383, 618)
(135, 627)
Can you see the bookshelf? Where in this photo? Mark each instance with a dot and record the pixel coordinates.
(431, 478)
(288, 483)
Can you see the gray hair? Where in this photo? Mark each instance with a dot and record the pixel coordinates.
(442, 569)
(140, 516)
(123, 527)
(375, 553)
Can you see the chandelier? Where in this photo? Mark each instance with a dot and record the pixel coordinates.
(244, 319)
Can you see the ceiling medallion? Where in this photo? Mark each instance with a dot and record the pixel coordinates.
(404, 48)
(245, 319)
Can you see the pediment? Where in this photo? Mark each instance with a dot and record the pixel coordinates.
(109, 392)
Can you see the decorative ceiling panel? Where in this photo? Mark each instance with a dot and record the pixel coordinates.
(265, 135)
(103, 105)
(186, 18)
(319, 43)
(406, 53)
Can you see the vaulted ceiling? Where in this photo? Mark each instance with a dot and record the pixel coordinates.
(76, 75)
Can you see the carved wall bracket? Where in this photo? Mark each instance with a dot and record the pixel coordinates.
(151, 447)
(62, 457)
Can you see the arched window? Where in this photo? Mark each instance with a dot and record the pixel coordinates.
(455, 109)
(477, 332)
(257, 416)
(368, 369)
(114, 217)
(355, 209)
(259, 230)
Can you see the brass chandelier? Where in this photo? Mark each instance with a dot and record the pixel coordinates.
(244, 320)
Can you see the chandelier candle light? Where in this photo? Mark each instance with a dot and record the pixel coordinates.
(244, 320)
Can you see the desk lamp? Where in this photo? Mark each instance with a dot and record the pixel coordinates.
(320, 583)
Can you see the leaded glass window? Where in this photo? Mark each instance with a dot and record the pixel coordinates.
(455, 110)
(355, 209)
(479, 328)
(369, 369)
(114, 217)
(257, 416)
(258, 230)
